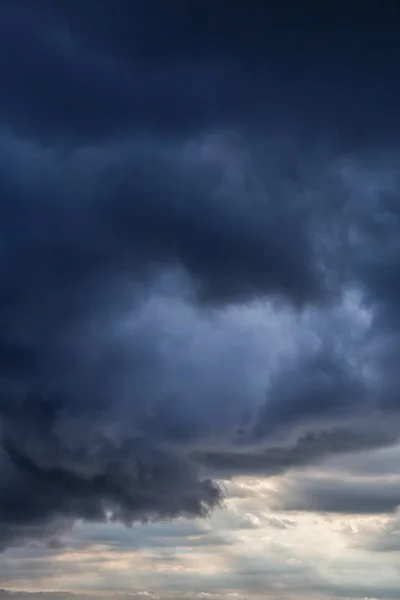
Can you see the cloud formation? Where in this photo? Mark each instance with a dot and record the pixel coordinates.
(194, 283)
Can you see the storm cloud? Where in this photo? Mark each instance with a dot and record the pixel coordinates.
(198, 255)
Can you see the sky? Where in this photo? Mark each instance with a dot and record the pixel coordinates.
(199, 300)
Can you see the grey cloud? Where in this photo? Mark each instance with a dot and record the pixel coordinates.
(143, 194)
(383, 539)
(166, 537)
(341, 494)
(280, 523)
(308, 449)
(68, 265)
(319, 386)
(372, 463)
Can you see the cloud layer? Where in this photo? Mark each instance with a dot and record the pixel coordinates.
(197, 281)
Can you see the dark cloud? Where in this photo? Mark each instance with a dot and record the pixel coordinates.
(383, 461)
(161, 164)
(307, 449)
(342, 495)
(83, 73)
(318, 386)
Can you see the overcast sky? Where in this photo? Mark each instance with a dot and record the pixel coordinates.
(199, 300)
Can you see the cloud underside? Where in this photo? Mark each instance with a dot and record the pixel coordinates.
(195, 285)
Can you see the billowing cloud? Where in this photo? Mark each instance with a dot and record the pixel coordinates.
(188, 291)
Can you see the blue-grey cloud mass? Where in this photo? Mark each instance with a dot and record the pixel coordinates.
(199, 258)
